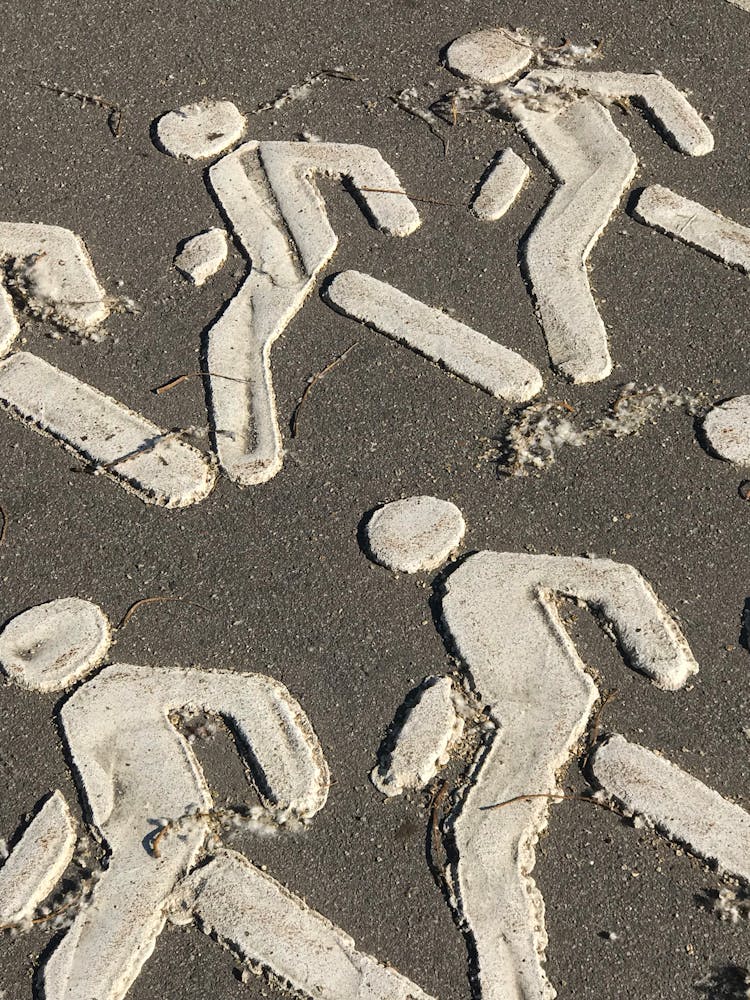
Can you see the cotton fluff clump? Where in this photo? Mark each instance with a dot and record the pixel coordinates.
(731, 906)
(531, 94)
(531, 443)
(533, 440)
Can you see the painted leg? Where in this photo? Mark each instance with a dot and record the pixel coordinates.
(692, 223)
(465, 352)
(124, 446)
(679, 805)
(277, 933)
(115, 931)
(243, 405)
(56, 276)
(593, 164)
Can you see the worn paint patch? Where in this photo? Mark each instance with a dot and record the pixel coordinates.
(692, 223)
(677, 804)
(535, 437)
(466, 353)
(50, 646)
(414, 534)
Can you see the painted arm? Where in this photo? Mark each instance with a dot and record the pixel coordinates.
(274, 735)
(668, 108)
(650, 639)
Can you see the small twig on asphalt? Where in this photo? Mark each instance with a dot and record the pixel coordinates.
(316, 378)
(4, 529)
(609, 806)
(154, 600)
(607, 699)
(406, 101)
(115, 112)
(422, 201)
(173, 383)
(298, 91)
(142, 449)
(434, 814)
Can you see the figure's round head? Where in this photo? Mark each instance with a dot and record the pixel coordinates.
(415, 534)
(489, 56)
(200, 131)
(49, 647)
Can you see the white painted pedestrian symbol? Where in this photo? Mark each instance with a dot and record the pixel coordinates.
(276, 213)
(52, 271)
(500, 611)
(150, 806)
(562, 113)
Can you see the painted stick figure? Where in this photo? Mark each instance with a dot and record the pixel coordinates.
(278, 217)
(561, 113)
(267, 192)
(52, 273)
(135, 768)
(500, 612)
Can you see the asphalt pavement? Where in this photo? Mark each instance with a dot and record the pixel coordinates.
(272, 578)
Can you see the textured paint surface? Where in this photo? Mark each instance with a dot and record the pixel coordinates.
(202, 256)
(280, 936)
(594, 164)
(279, 567)
(672, 114)
(54, 274)
(36, 863)
(561, 113)
(50, 646)
(200, 131)
(423, 740)
(676, 803)
(146, 460)
(466, 353)
(727, 430)
(414, 534)
(500, 187)
(490, 56)
(699, 227)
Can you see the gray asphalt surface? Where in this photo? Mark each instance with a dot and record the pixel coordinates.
(277, 570)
